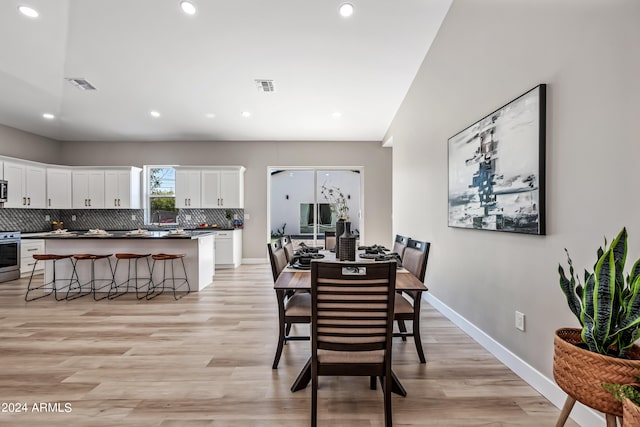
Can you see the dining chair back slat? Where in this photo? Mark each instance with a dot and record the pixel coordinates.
(352, 323)
(293, 307)
(399, 245)
(407, 304)
(287, 245)
(277, 258)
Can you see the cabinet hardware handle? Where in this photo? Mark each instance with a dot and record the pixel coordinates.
(221, 202)
(24, 201)
(49, 202)
(118, 202)
(85, 202)
(32, 249)
(89, 202)
(115, 202)
(29, 201)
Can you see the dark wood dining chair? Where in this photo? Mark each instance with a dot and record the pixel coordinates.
(352, 324)
(407, 304)
(287, 244)
(329, 240)
(293, 307)
(400, 244)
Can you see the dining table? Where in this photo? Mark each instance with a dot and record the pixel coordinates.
(297, 279)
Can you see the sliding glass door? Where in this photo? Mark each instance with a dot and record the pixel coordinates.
(303, 202)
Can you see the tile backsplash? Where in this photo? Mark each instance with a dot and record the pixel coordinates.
(35, 220)
(27, 220)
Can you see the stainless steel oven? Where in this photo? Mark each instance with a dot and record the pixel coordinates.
(9, 255)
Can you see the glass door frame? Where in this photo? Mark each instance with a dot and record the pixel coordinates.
(315, 169)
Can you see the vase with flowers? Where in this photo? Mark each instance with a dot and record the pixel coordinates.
(340, 208)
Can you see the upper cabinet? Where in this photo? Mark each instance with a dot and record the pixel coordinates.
(88, 189)
(41, 186)
(210, 187)
(223, 189)
(122, 188)
(58, 188)
(26, 185)
(187, 188)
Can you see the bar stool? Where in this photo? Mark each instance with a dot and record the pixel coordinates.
(181, 280)
(54, 281)
(148, 282)
(93, 281)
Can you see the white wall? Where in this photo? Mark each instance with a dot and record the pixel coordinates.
(257, 157)
(487, 53)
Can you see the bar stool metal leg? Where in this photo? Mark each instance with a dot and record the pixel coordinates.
(54, 283)
(93, 281)
(136, 279)
(182, 282)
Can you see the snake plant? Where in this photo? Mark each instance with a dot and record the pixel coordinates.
(608, 304)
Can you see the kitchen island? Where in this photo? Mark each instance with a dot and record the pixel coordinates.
(198, 247)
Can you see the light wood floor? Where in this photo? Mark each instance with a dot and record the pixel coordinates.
(206, 361)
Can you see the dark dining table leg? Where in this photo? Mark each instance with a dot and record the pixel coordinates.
(304, 377)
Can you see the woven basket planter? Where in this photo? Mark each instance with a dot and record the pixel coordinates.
(630, 414)
(581, 373)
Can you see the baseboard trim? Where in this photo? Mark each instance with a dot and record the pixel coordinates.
(581, 414)
(255, 260)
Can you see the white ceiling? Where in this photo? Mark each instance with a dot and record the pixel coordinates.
(145, 55)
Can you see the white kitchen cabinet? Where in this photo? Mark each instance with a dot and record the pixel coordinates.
(122, 188)
(228, 248)
(58, 188)
(28, 248)
(223, 188)
(187, 188)
(26, 185)
(88, 189)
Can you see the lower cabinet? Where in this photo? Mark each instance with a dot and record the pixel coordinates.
(228, 247)
(27, 249)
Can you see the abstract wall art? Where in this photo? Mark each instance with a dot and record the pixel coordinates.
(496, 168)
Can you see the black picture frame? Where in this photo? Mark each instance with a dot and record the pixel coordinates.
(497, 168)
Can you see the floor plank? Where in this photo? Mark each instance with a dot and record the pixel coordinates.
(206, 361)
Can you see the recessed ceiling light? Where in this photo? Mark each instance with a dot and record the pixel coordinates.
(28, 11)
(246, 114)
(336, 115)
(155, 114)
(188, 7)
(346, 10)
(209, 115)
(48, 116)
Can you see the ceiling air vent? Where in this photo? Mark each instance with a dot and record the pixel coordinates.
(265, 85)
(80, 83)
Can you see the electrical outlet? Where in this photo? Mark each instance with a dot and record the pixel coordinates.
(133, 217)
(520, 321)
(187, 217)
(47, 217)
(247, 216)
(73, 217)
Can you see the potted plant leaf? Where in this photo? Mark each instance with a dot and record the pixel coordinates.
(629, 395)
(607, 306)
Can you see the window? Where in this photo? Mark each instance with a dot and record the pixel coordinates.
(161, 182)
